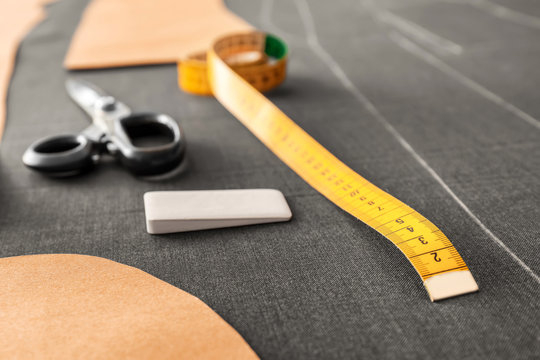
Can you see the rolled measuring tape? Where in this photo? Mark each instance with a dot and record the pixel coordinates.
(236, 70)
(259, 58)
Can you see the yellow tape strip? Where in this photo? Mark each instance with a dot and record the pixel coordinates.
(431, 253)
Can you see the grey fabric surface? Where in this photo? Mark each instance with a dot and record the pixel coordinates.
(324, 285)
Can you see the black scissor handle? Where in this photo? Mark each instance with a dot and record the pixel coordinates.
(61, 155)
(149, 143)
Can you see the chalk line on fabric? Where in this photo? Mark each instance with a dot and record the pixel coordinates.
(505, 13)
(265, 17)
(309, 25)
(416, 50)
(435, 42)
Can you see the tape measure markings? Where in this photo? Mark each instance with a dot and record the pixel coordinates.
(430, 252)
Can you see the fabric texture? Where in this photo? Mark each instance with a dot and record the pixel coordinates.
(18, 16)
(366, 86)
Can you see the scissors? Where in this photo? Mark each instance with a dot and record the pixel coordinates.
(146, 143)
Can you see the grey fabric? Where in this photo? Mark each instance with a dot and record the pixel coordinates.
(324, 285)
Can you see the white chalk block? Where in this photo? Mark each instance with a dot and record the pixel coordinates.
(177, 211)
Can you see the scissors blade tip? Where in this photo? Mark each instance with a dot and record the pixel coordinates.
(83, 93)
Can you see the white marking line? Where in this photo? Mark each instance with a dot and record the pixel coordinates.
(496, 10)
(438, 44)
(506, 13)
(307, 19)
(414, 49)
(265, 16)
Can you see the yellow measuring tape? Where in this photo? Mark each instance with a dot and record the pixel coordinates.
(235, 70)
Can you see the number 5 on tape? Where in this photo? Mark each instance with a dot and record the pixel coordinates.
(237, 88)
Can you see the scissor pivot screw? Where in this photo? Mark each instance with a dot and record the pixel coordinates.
(107, 103)
(111, 148)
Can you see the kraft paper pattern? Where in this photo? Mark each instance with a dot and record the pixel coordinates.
(76, 306)
(115, 33)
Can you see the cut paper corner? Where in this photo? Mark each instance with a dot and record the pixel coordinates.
(62, 306)
(18, 18)
(158, 33)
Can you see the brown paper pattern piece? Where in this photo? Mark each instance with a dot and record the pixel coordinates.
(75, 306)
(114, 33)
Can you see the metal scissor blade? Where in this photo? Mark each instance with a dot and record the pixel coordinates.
(85, 94)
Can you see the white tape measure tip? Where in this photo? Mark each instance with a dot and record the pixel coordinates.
(455, 283)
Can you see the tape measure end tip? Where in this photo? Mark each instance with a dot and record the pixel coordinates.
(444, 286)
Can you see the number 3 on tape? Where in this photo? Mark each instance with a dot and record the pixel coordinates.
(237, 68)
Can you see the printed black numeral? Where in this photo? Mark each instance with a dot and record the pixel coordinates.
(421, 239)
(435, 257)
